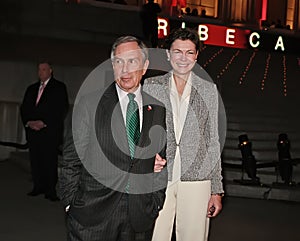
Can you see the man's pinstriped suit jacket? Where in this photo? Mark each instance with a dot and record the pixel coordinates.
(96, 162)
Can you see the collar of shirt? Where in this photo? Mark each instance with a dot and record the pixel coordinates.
(187, 89)
(45, 82)
(179, 105)
(124, 100)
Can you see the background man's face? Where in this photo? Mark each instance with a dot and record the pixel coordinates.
(44, 71)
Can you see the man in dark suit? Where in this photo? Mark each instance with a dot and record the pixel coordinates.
(150, 24)
(108, 181)
(43, 109)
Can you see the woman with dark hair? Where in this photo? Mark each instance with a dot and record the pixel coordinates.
(195, 187)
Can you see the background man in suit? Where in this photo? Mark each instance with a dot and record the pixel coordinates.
(43, 109)
(107, 181)
(150, 23)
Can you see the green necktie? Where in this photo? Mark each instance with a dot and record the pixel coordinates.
(132, 124)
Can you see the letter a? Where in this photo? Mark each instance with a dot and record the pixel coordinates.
(279, 43)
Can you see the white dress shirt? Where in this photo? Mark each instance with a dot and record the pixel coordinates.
(124, 100)
(180, 106)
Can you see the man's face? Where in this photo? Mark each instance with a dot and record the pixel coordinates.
(129, 66)
(183, 56)
(44, 71)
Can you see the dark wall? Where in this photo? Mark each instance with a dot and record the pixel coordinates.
(55, 18)
(277, 10)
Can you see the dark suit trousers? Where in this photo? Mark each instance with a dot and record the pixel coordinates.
(117, 227)
(43, 160)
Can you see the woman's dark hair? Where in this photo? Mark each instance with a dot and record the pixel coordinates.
(183, 34)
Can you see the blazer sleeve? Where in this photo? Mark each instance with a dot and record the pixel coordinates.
(71, 165)
(211, 130)
(161, 178)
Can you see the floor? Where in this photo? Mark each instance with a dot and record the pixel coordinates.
(25, 218)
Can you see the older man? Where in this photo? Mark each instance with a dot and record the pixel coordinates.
(110, 188)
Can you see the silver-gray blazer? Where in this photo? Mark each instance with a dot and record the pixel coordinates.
(199, 144)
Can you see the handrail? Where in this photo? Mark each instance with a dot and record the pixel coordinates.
(13, 144)
(23, 146)
(295, 161)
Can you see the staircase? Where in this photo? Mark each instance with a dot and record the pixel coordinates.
(262, 125)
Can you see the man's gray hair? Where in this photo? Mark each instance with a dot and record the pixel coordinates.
(127, 39)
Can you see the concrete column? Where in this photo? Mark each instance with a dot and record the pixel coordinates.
(296, 26)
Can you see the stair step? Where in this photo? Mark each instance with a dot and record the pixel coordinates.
(267, 175)
(274, 191)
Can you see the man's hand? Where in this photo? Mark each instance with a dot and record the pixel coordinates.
(214, 205)
(159, 163)
(36, 125)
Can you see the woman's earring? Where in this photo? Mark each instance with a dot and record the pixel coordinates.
(168, 55)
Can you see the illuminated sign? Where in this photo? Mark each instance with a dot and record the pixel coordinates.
(223, 36)
(254, 41)
(219, 35)
(163, 27)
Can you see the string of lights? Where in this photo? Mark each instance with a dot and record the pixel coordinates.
(211, 59)
(284, 75)
(247, 67)
(203, 47)
(228, 64)
(266, 72)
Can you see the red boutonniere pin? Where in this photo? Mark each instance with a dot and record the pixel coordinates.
(149, 108)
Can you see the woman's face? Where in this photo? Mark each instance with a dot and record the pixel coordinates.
(183, 56)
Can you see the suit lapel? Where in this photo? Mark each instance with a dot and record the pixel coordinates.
(148, 114)
(147, 120)
(110, 101)
(111, 105)
(191, 101)
(35, 93)
(193, 107)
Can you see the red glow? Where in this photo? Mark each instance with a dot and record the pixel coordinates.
(217, 35)
(264, 9)
(181, 3)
